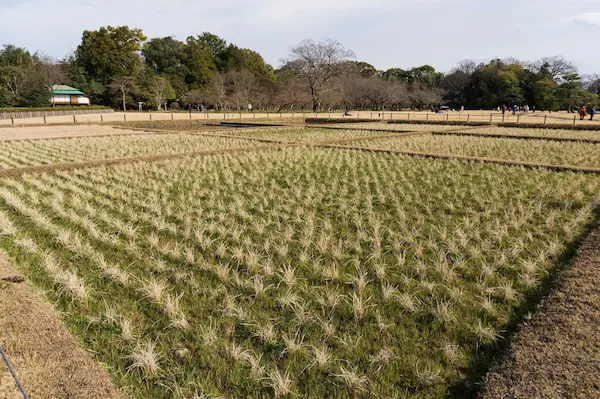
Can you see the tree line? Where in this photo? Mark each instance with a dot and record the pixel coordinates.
(119, 67)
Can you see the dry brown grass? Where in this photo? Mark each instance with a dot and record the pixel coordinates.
(557, 354)
(47, 359)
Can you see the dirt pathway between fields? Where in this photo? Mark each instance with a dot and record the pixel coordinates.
(48, 360)
(557, 353)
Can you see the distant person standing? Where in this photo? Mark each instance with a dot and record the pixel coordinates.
(582, 113)
(249, 107)
(514, 109)
(592, 112)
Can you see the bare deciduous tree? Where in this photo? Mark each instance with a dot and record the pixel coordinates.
(557, 66)
(160, 90)
(318, 63)
(123, 85)
(244, 87)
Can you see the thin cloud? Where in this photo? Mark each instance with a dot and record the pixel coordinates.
(588, 18)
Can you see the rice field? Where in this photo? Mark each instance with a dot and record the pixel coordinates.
(539, 151)
(303, 272)
(306, 134)
(562, 133)
(16, 154)
(400, 127)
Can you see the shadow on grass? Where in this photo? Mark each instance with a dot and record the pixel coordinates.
(492, 355)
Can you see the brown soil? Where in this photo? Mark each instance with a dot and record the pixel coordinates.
(557, 353)
(48, 360)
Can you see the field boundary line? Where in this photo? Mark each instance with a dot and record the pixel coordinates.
(514, 137)
(499, 161)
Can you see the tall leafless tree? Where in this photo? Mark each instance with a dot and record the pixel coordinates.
(318, 63)
(123, 85)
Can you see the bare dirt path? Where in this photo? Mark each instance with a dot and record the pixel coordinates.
(557, 353)
(48, 360)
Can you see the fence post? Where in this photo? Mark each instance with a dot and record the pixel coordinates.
(447, 116)
(492, 117)
(574, 118)
(172, 116)
(545, 117)
(44, 119)
(150, 116)
(427, 116)
(468, 118)
(190, 116)
(371, 115)
(12, 119)
(408, 116)
(101, 118)
(125, 117)
(74, 121)
(502, 118)
(518, 119)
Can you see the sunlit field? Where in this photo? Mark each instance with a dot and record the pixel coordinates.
(15, 154)
(539, 151)
(297, 272)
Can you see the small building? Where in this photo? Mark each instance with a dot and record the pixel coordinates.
(67, 95)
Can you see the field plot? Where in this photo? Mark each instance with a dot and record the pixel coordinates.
(562, 133)
(18, 154)
(540, 151)
(305, 134)
(401, 127)
(303, 272)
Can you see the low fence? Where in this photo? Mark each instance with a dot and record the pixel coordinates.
(98, 116)
(39, 114)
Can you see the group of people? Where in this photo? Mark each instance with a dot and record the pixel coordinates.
(515, 108)
(584, 111)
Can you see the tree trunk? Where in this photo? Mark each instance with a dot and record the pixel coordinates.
(124, 105)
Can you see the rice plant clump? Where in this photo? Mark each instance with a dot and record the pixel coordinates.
(304, 272)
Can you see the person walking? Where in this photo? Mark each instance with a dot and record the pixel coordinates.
(582, 113)
(514, 109)
(592, 112)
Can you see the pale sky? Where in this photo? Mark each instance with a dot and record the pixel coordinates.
(385, 33)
